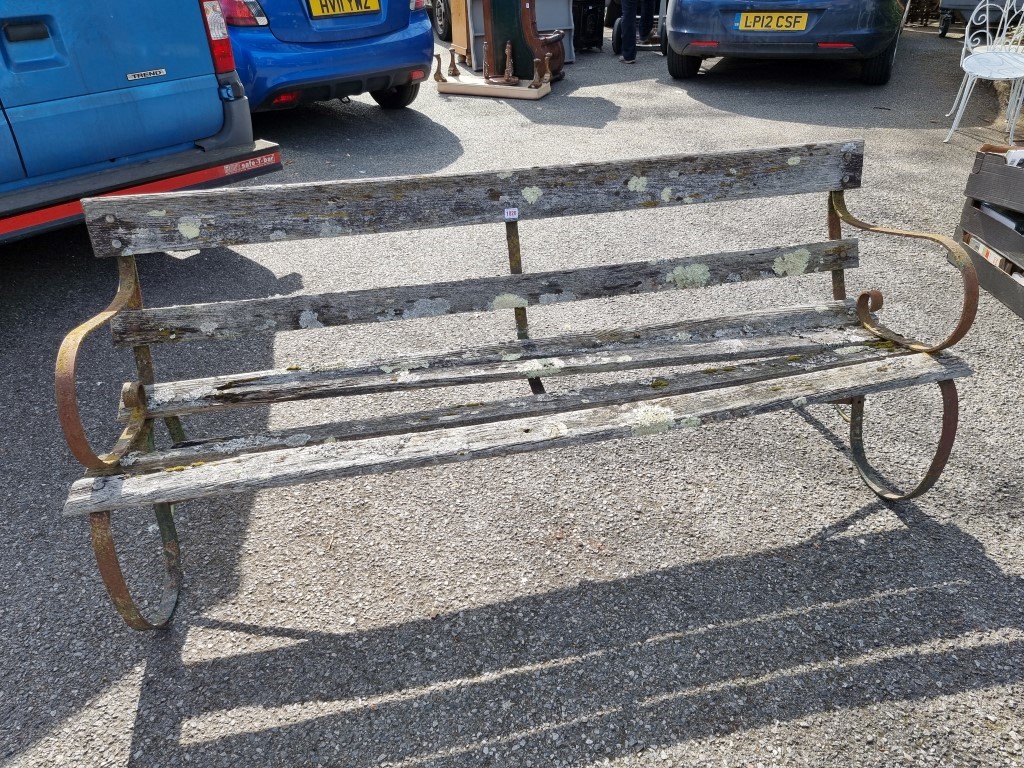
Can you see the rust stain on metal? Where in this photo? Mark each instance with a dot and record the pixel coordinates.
(128, 296)
(138, 434)
(113, 578)
(950, 417)
(871, 301)
(515, 264)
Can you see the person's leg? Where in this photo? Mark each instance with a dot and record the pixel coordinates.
(628, 28)
(646, 18)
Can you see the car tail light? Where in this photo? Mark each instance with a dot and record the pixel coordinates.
(835, 45)
(416, 75)
(217, 34)
(417, 5)
(243, 13)
(705, 43)
(286, 99)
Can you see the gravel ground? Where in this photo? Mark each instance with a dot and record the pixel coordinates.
(734, 596)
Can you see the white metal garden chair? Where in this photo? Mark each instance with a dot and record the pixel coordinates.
(993, 50)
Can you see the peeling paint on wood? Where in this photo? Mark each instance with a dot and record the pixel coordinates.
(230, 320)
(691, 276)
(730, 339)
(394, 453)
(793, 263)
(265, 213)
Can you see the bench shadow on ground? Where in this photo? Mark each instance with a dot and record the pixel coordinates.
(51, 284)
(709, 648)
(839, 621)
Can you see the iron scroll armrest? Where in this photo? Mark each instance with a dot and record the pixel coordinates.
(138, 433)
(128, 296)
(871, 301)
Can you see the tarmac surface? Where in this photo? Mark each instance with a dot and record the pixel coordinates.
(735, 596)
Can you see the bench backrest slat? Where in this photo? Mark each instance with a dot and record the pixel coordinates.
(233, 319)
(179, 221)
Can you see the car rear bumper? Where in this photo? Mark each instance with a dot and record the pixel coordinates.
(862, 49)
(29, 211)
(268, 67)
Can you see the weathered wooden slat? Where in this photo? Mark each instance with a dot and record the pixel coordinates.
(177, 221)
(205, 396)
(389, 454)
(232, 319)
(617, 350)
(467, 414)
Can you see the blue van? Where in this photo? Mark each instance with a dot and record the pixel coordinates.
(109, 97)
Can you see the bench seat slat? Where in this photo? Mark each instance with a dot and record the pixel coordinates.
(389, 454)
(466, 414)
(737, 338)
(233, 319)
(224, 217)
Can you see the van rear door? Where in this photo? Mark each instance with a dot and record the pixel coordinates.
(10, 162)
(89, 82)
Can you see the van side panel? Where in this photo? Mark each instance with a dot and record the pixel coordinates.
(101, 71)
(56, 49)
(107, 126)
(10, 163)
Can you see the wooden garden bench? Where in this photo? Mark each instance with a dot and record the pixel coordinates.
(833, 351)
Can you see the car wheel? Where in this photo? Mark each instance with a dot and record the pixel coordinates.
(944, 23)
(681, 67)
(617, 36)
(878, 69)
(441, 19)
(612, 11)
(397, 97)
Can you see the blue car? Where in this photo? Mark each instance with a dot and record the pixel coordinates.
(104, 97)
(289, 52)
(867, 30)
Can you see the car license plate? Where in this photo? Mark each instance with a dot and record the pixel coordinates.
(770, 22)
(322, 8)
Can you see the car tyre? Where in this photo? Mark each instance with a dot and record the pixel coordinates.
(617, 37)
(944, 22)
(396, 97)
(682, 67)
(878, 69)
(441, 19)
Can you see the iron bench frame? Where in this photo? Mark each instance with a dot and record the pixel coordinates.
(125, 227)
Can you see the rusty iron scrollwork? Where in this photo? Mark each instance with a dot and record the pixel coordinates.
(128, 297)
(950, 416)
(137, 435)
(871, 301)
(110, 570)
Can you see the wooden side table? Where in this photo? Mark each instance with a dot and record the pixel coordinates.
(460, 31)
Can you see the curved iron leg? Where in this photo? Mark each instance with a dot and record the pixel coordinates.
(110, 569)
(950, 414)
